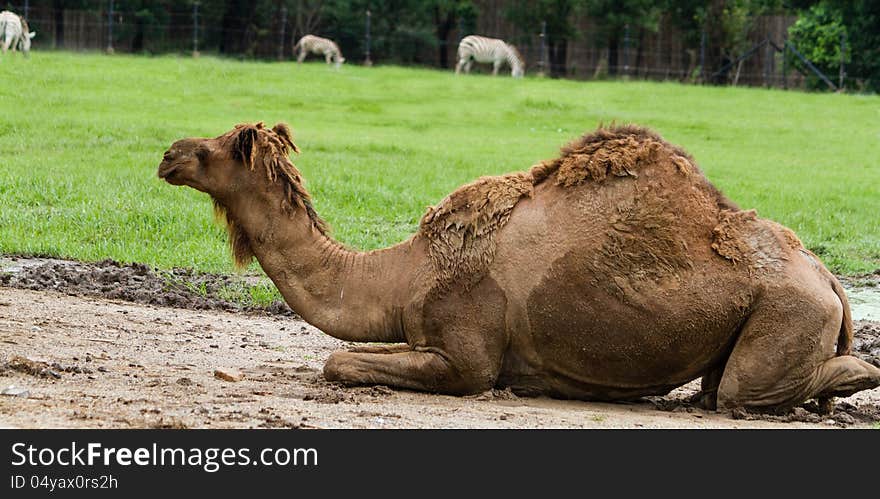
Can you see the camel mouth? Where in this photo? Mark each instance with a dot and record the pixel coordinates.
(167, 171)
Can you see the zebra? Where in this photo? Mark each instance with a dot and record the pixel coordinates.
(482, 49)
(14, 32)
(317, 45)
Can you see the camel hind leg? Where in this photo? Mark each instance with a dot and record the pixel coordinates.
(843, 376)
(785, 354)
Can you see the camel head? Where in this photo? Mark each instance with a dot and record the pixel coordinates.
(230, 162)
(249, 160)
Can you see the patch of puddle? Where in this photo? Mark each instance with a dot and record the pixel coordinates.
(864, 303)
(16, 265)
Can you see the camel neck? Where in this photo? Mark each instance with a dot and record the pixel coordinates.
(350, 295)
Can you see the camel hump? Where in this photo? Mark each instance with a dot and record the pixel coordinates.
(616, 151)
(461, 228)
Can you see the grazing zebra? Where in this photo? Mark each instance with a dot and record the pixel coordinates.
(14, 32)
(481, 49)
(317, 45)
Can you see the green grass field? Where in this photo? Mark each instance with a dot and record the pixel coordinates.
(81, 136)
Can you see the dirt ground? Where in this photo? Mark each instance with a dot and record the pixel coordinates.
(92, 362)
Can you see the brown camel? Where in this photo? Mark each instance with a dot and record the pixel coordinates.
(612, 272)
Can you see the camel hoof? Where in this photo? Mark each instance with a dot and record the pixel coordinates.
(708, 401)
(826, 406)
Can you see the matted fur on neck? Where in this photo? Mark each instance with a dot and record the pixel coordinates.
(267, 150)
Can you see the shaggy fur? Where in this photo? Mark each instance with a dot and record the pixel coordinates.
(461, 229)
(268, 150)
(621, 151)
(744, 239)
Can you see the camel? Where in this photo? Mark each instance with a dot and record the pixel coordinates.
(612, 272)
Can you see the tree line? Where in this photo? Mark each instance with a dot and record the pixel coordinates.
(427, 31)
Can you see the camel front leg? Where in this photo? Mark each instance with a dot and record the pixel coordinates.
(393, 348)
(459, 350)
(416, 370)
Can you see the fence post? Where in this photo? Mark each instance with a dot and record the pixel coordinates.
(367, 61)
(541, 62)
(703, 56)
(110, 29)
(195, 29)
(784, 65)
(842, 76)
(283, 29)
(27, 7)
(626, 50)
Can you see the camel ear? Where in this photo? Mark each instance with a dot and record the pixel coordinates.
(32, 34)
(202, 153)
(282, 130)
(245, 145)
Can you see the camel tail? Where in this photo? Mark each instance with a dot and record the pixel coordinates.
(845, 338)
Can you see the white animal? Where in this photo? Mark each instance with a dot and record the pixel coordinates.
(489, 50)
(317, 45)
(14, 32)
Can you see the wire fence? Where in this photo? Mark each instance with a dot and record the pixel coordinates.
(659, 55)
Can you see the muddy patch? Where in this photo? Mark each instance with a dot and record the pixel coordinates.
(844, 415)
(866, 341)
(138, 283)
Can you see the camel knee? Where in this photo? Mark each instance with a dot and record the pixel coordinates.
(334, 367)
(344, 367)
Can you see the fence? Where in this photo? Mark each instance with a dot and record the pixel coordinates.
(639, 54)
(660, 55)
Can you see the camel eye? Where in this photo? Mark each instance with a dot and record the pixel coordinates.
(167, 155)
